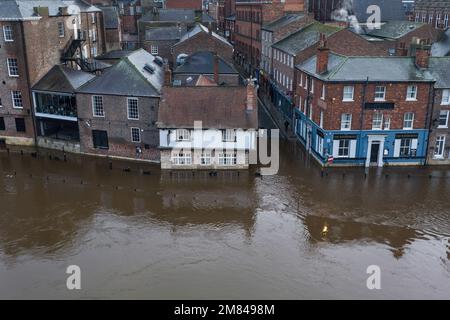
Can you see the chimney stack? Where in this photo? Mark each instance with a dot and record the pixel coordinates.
(251, 96)
(167, 75)
(216, 68)
(402, 51)
(323, 53)
(423, 50)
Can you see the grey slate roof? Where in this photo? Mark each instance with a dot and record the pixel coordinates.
(113, 55)
(164, 33)
(62, 79)
(111, 17)
(394, 29)
(440, 70)
(201, 28)
(442, 47)
(304, 38)
(128, 78)
(358, 69)
(203, 63)
(431, 4)
(283, 21)
(390, 9)
(170, 15)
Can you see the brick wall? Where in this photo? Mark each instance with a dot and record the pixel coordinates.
(164, 47)
(334, 107)
(118, 126)
(204, 42)
(435, 131)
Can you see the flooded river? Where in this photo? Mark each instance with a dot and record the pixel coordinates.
(299, 234)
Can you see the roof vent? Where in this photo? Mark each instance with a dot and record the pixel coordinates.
(159, 61)
(150, 69)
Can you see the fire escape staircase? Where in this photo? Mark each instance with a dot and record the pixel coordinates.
(69, 53)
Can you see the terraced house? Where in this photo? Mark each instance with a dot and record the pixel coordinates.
(433, 12)
(365, 111)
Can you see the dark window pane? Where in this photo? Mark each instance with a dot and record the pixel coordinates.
(100, 139)
(2, 123)
(20, 125)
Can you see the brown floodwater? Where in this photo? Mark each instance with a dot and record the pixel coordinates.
(146, 234)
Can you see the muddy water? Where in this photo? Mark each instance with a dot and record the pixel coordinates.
(294, 235)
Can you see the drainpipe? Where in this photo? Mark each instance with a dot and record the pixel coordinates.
(430, 111)
(30, 94)
(361, 118)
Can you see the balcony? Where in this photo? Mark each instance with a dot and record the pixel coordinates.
(56, 106)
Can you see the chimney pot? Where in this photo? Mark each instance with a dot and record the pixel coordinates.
(167, 75)
(323, 54)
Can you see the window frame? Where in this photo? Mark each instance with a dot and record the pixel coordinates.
(128, 108)
(229, 135)
(445, 94)
(13, 98)
(94, 105)
(224, 157)
(10, 33)
(447, 116)
(154, 49)
(378, 92)
(133, 130)
(12, 67)
(344, 99)
(405, 120)
(349, 121)
(343, 148)
(377, 121)
(408, 91)
(63, 34)
(441, 155)
(178, 134)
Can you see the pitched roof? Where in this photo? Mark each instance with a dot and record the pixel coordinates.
(128, 77)
(114, 54)
(170, 15)
(305, 37)
(111, 17)
(439, 68)
(359, 69)
(164, 33)
(62, 79)
(201, 28)
(394, 29)
(217, 107)
(390, 9)
(205, 81)
(283, 21)
(203, 63)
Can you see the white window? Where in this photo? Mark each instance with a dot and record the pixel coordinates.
(323, 91)
(131, 11)
(300, 104)
(346, 121)
(445, 97)
(94, 51)
(13, 69)
(301, 80)
(387, 123)
(183, 135)
(312, 85)
(227, 159)
(311, 112)
(344, 148)
(380, 93)
(446, 21)
(205, 159)
(348, 93)
(229, 135)
(182, 158)
(430, 18)
(306, 82)
(438, 20)
(132, 109)
(405, 147)
(94, 35)
(61, 29)
(135, 135)
(321, 119)
(408, 121)
(8, 33)
(417, 17)
(443, 119)
(377, 121)
(97, 106)
(154, 50)
(16, 97)
(93, 18)
(319, 145)
(424, 17)
(411, 93)
(439, 148)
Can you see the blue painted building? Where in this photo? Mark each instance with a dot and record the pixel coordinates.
(364, 111)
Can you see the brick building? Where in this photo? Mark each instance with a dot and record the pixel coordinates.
(160, 41)
(364, 110)
(433, 12)
(205, 64)
(184, 4)
(118, 118)
(250, 17)
(201, 38)
(439, 140)
(113, 28)
(33, 39)
(130, 11)
(226, 9)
